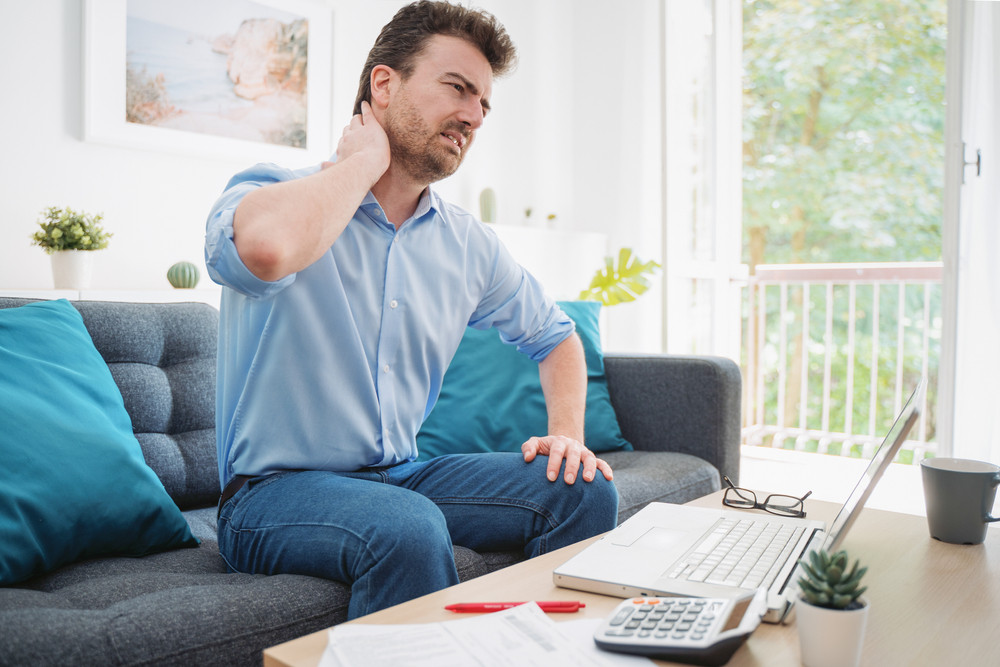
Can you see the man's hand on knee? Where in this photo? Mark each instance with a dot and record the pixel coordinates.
(559, 448)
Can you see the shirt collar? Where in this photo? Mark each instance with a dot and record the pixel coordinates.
(430, 202)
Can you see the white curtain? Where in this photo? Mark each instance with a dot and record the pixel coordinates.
(977, 377)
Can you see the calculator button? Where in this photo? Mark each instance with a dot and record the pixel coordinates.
(621, 616)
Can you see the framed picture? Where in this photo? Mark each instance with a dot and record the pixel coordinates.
(228, 78)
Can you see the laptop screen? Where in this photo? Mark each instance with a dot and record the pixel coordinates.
(880, 461)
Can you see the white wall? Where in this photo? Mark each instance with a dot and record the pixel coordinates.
(575, 131)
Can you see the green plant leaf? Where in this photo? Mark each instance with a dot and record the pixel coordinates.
(70, 230)
(827, 582)
(619, 283)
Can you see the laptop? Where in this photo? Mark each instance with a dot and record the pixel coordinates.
(679, 550)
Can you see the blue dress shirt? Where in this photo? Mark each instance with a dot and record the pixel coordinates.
(337, 366)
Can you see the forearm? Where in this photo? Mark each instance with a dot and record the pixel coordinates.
(283, 228)
(563, 374)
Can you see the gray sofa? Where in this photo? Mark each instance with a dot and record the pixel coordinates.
(182, 606)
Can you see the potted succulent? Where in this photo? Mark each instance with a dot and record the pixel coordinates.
(831, 615)
(69, 237)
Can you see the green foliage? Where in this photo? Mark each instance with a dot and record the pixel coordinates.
(828, 582)
(66, 229)
(843, 153)
(921, 307)
(843, 129)
(622, 283)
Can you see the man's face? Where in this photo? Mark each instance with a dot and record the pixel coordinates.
(432, 119)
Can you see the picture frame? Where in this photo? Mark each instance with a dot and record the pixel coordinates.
(256, 135)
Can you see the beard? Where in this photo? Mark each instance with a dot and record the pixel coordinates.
(418, 150)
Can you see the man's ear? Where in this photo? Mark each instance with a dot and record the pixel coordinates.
(383, 83)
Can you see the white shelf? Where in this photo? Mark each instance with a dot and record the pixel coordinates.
(207, 295)
(563, 261)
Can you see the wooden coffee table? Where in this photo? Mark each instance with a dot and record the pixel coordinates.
(932, 603)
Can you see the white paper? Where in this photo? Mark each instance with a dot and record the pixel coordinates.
(581, 633)
(522, 636)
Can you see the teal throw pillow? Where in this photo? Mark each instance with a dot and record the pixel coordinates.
(491, 398)
(73, 481)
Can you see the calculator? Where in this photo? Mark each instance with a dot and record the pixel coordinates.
(697, 631)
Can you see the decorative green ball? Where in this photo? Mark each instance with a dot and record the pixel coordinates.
(183, 275)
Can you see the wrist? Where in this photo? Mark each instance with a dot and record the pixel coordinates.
(570, 431)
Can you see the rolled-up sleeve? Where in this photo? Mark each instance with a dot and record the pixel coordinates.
(518, 307)
(225, 266)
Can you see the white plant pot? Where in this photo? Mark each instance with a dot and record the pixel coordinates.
(830, 637)
(72, 269)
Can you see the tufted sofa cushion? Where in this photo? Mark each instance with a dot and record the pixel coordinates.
(163, 359)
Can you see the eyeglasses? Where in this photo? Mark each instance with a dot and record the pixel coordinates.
(775, 503)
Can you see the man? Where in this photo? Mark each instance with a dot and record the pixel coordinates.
(348, 289)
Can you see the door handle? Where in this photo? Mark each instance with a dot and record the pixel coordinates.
(978, 162)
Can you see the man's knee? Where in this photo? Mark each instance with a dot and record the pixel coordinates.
(601, 500)
(596, 500)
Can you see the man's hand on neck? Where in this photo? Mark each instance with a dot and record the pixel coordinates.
(364, 140)
(366, 144)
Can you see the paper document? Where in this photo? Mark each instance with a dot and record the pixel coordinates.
(522, 636)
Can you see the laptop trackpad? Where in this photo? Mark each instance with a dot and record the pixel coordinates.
(662, 539)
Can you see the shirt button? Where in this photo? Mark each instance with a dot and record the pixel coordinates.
(393, 303)
(385, 369)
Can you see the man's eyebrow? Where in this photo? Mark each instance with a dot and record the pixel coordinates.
(471, 86)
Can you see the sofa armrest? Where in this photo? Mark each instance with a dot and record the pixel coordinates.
(674, 403)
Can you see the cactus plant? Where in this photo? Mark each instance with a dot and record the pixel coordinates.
(488, 205)
(183, 275)
(828, 583)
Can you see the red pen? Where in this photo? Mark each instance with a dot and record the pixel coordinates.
(554, 606)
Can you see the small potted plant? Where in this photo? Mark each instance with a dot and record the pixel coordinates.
(831, 615)
(69, 236)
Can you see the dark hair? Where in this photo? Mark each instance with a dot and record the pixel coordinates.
(405, 36)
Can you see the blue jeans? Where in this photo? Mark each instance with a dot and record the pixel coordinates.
(388, 532)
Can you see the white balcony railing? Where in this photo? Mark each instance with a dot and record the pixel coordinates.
(831, 351)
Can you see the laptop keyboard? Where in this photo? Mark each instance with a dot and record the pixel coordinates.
(746, 554)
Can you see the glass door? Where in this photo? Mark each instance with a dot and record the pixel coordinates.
(702, 184)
